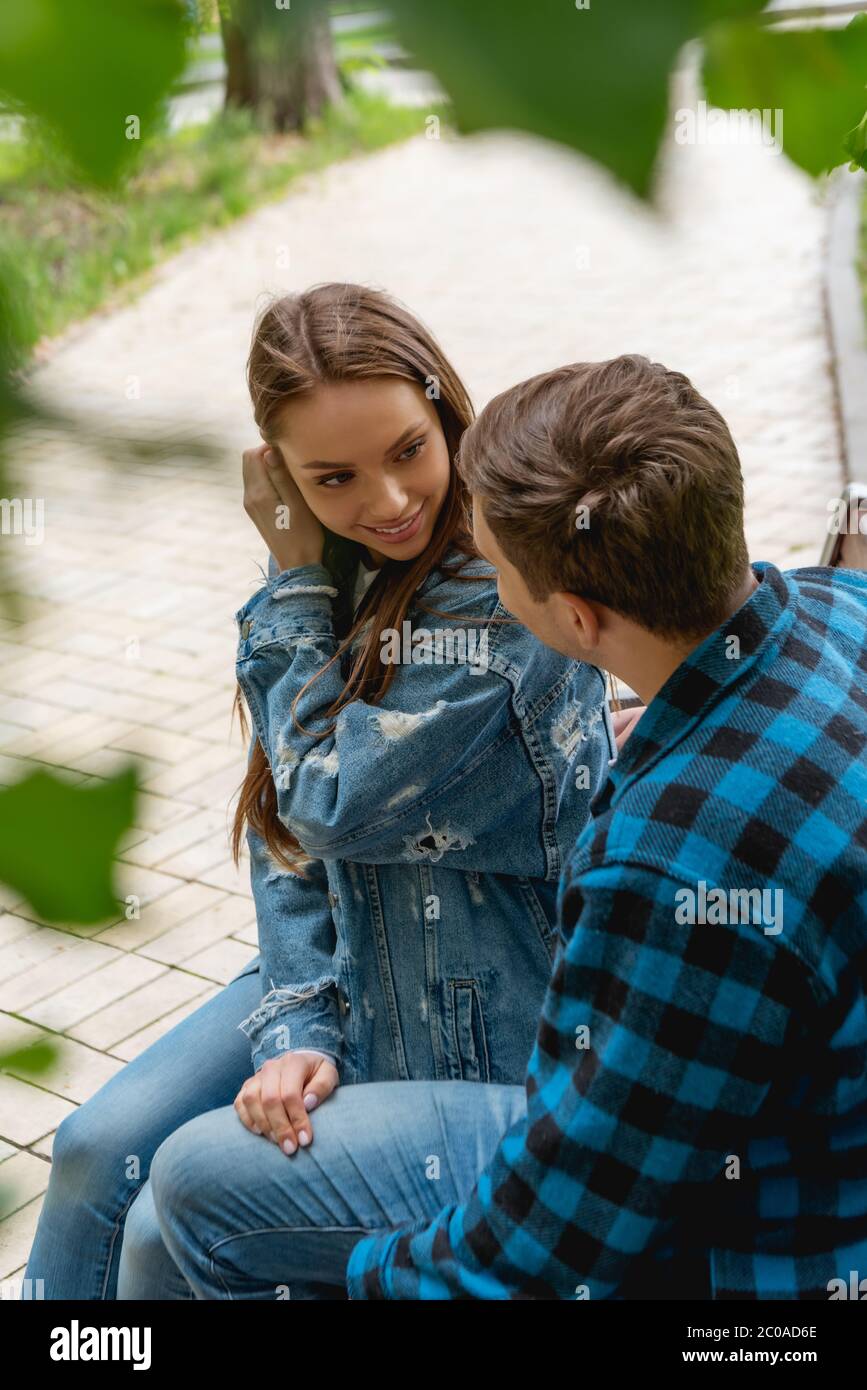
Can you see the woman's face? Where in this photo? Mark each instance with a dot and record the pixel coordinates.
(371, 462)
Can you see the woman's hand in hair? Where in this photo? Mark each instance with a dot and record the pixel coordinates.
(272, 1102)
(273, 502)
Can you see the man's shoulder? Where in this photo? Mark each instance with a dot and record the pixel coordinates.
(831, 588)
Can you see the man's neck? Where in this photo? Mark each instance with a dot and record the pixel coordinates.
(650, 661)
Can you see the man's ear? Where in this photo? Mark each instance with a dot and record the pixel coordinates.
(582, 618)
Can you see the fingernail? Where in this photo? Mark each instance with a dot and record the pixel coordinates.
(310, 1102)
(304, 1138)
(256, 1129)
(289, 1147)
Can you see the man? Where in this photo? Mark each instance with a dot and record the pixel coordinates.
(694, 1120)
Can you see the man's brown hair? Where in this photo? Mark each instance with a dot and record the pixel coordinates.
(653, 463)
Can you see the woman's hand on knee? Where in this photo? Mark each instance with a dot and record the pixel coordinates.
(272, 1102)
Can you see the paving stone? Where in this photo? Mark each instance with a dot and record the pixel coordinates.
(186, 900)
(221, 962)
(133, 1046)
(180, 836)
(137, 1010)
(44, 1146)
(204, 930)
(16, 1238)
(77, 1071)
(21, 1179)
(98, 989)
(28, 1112)
(26, 987)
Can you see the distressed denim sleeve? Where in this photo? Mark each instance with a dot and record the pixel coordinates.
(444, 732)
(296, 942)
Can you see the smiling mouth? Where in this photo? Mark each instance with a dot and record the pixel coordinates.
(395, 532)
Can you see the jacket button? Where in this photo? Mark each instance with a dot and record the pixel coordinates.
(344, 1004)
(245, 627)
(332, 899)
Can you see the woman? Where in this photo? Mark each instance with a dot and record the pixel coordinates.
(408, 802)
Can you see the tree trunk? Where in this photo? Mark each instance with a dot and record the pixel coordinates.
(280, 62)
(239, 77)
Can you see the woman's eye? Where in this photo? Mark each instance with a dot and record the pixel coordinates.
(335, 478)
(412, 450)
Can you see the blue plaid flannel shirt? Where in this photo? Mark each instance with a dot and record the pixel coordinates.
(697, 1095)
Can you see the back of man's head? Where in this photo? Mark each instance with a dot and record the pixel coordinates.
(618, 482)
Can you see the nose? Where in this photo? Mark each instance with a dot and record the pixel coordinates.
(387, 503)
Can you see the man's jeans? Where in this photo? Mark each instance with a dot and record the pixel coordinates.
(242, 1220)
(98, 1236)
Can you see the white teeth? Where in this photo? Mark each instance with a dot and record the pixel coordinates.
(393, 530)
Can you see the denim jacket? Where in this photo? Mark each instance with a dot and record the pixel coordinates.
(437, 822)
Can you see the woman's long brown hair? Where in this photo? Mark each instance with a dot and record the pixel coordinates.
(339, 332)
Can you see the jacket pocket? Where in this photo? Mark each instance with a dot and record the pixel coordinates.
(546, 928)
(468, 1036)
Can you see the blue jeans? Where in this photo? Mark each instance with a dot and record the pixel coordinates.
(99, 1187)
(98, 1235)
(243, 1221)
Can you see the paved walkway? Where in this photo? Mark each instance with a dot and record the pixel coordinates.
(521, 257)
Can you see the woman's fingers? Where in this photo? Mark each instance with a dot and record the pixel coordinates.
(300, 1126)
(280, 478)
(281, 1084)
(276, 506)
(259, 1108)
(319, 1088)
(276, 1101)
(243, 1108)
(260, 495)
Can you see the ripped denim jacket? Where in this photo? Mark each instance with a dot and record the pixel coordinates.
(420, 944)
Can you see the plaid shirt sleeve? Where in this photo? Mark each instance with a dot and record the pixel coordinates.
(657, 1043)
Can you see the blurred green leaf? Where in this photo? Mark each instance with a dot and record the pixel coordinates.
(856, 145)
(595, 79)
(58, 842)
(86, 66)
(34, 1059)
(816, 77)
(15, 331)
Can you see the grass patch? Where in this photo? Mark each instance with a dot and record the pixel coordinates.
(72, 250)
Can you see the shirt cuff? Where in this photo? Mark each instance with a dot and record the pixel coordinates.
(366, 1267)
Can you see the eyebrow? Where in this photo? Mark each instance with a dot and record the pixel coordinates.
(407, 434)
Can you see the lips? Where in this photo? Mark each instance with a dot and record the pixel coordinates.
(404, 531)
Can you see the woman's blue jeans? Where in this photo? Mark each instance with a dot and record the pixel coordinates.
(240, 1218)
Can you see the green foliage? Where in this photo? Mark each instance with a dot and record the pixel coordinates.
(597, 78)
(34, 1060)
(85, 66)
(856, 145)
(58, 843)
(816, 77)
